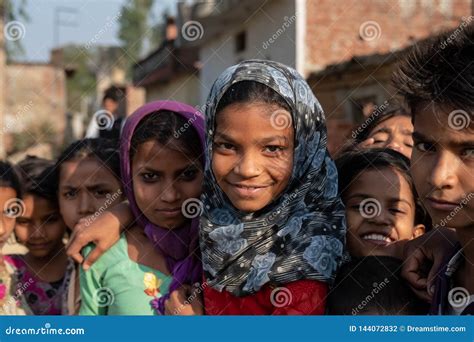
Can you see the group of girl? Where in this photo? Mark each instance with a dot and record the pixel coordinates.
(238, 211)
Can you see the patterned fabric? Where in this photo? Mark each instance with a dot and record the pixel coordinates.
(42, 297)
(12, 301)
(300, 235)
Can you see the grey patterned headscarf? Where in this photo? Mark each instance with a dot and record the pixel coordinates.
(301, 234)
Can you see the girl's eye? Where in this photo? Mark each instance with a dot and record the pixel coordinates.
(149, 176)
(224, 146)
(469, 152)
(70, 194)
(189, 175)
(425, 147)
(101, 193)
(273, 148)
(21, 221)
(397, 211)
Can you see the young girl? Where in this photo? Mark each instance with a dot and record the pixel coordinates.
(272, 230)
(40, 228)
(388, 128)
(161, 167)
(11, 288)
(382, 206)
(87, 176)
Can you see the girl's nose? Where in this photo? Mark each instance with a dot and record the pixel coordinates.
(247, 166)
(170, 194)
(86, 206)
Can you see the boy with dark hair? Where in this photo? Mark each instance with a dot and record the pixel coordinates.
(437, 81)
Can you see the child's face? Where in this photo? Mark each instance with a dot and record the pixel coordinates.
(252, 158)
(443, 169)
(394, 133)
(85, 187)
(380, 210)
(7, 223)
(40, 227)
(163, 178)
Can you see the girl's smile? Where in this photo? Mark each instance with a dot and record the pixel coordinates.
(252, 159)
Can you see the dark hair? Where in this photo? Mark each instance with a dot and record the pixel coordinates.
(113, 93)
(35, 177)
(373, 284)
(251, 91)
(163, 126)
(351, 164)
(378, 116)
(105, 151)
(9, 178)
(439, 71)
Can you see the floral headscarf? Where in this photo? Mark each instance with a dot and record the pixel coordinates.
(178, 245)
(301, 234)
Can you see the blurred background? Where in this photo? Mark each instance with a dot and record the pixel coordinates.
(59, 57)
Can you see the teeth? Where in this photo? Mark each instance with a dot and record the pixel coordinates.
(377, 237)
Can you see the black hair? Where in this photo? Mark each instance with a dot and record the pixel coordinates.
(378, 116)
(351, 164)
(439, 71)
(113, 93)
(35, 177)
(9, 178)
(251, 91)
(373, 285)
(105, 151)
(162, 127)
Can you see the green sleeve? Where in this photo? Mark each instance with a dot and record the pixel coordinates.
(90, 283)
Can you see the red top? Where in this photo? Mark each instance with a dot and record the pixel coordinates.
(302, 297)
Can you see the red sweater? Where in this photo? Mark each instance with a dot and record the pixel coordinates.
(303, 297)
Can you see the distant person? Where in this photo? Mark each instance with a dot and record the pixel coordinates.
(107, 122)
